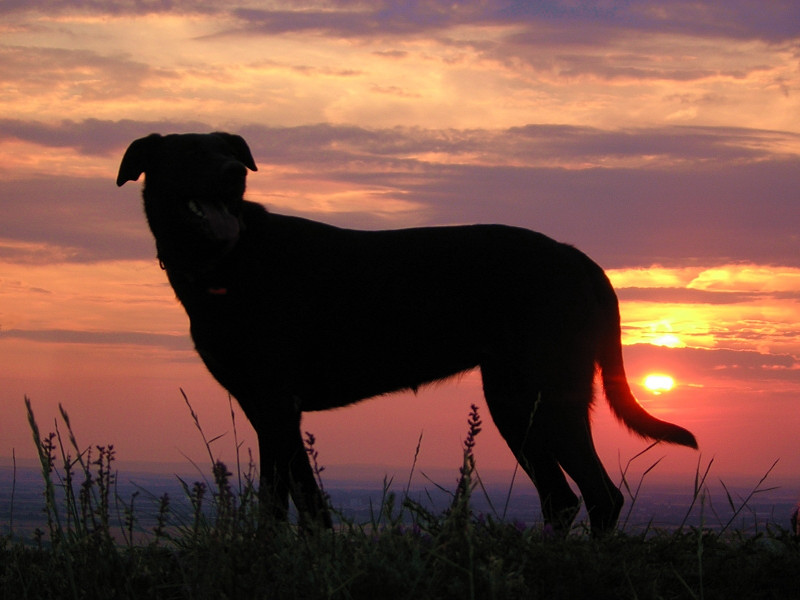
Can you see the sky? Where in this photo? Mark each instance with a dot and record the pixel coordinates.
(661, 138)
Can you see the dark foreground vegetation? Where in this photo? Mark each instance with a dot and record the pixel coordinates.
(95, 547)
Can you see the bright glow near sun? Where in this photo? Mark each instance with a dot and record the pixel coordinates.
(658, 384)
(669, 340)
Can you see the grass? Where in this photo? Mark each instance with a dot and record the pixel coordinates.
(94, 546)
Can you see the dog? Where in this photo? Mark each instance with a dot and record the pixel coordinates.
(293, 315)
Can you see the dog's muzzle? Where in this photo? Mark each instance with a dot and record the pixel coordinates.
(215, 221)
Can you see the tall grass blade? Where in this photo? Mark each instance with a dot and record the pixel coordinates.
(699, 485)
(413, 465)
(44, 448)
(756, 490)
(13, 492)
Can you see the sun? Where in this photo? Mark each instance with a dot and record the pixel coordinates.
(658, 383)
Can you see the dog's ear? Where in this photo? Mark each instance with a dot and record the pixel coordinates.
(240, 149)
(137, 158)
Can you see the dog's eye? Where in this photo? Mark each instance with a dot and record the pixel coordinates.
(195, 208)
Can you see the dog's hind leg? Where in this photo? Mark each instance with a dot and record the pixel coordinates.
(569, 435)
(574, 449)
(526, 427)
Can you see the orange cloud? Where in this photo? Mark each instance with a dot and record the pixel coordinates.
(762, 314)
(748, 278)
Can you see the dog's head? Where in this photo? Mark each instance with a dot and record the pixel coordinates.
(194, 185)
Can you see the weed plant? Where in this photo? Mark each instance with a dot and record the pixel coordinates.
(94, 546)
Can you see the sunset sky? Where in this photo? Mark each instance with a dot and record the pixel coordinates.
(662, 138)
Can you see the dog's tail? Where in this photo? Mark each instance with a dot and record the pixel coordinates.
(618, 393)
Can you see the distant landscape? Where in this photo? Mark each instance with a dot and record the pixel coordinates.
(749, 508)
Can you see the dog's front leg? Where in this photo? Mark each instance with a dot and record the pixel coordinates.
(285, 469)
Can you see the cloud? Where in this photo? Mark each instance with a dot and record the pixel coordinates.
(133, 338)
(754, 278)
(309, 71)
(667, 195)
(695, 364)
(629, 217)
(426, 63)
(738, 19)
(775, 22)
(356, 19)
(90, 136)
(72, 73)
(630, 197)
(578, 23)
(108, 7)
(684, 296)
(554, 42)
(532, 145)
(70, 219)
(719, 284)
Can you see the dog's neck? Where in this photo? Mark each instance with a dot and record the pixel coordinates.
(210, 278)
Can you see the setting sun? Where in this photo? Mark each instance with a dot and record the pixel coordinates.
(659, 384)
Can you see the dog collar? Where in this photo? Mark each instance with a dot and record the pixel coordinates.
(217, 291)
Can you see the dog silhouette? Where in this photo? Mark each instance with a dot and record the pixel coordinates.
(292, 315)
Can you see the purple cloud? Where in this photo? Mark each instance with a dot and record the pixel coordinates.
(81, 219)
(712, 195)
(91, 136)
(547, 21)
